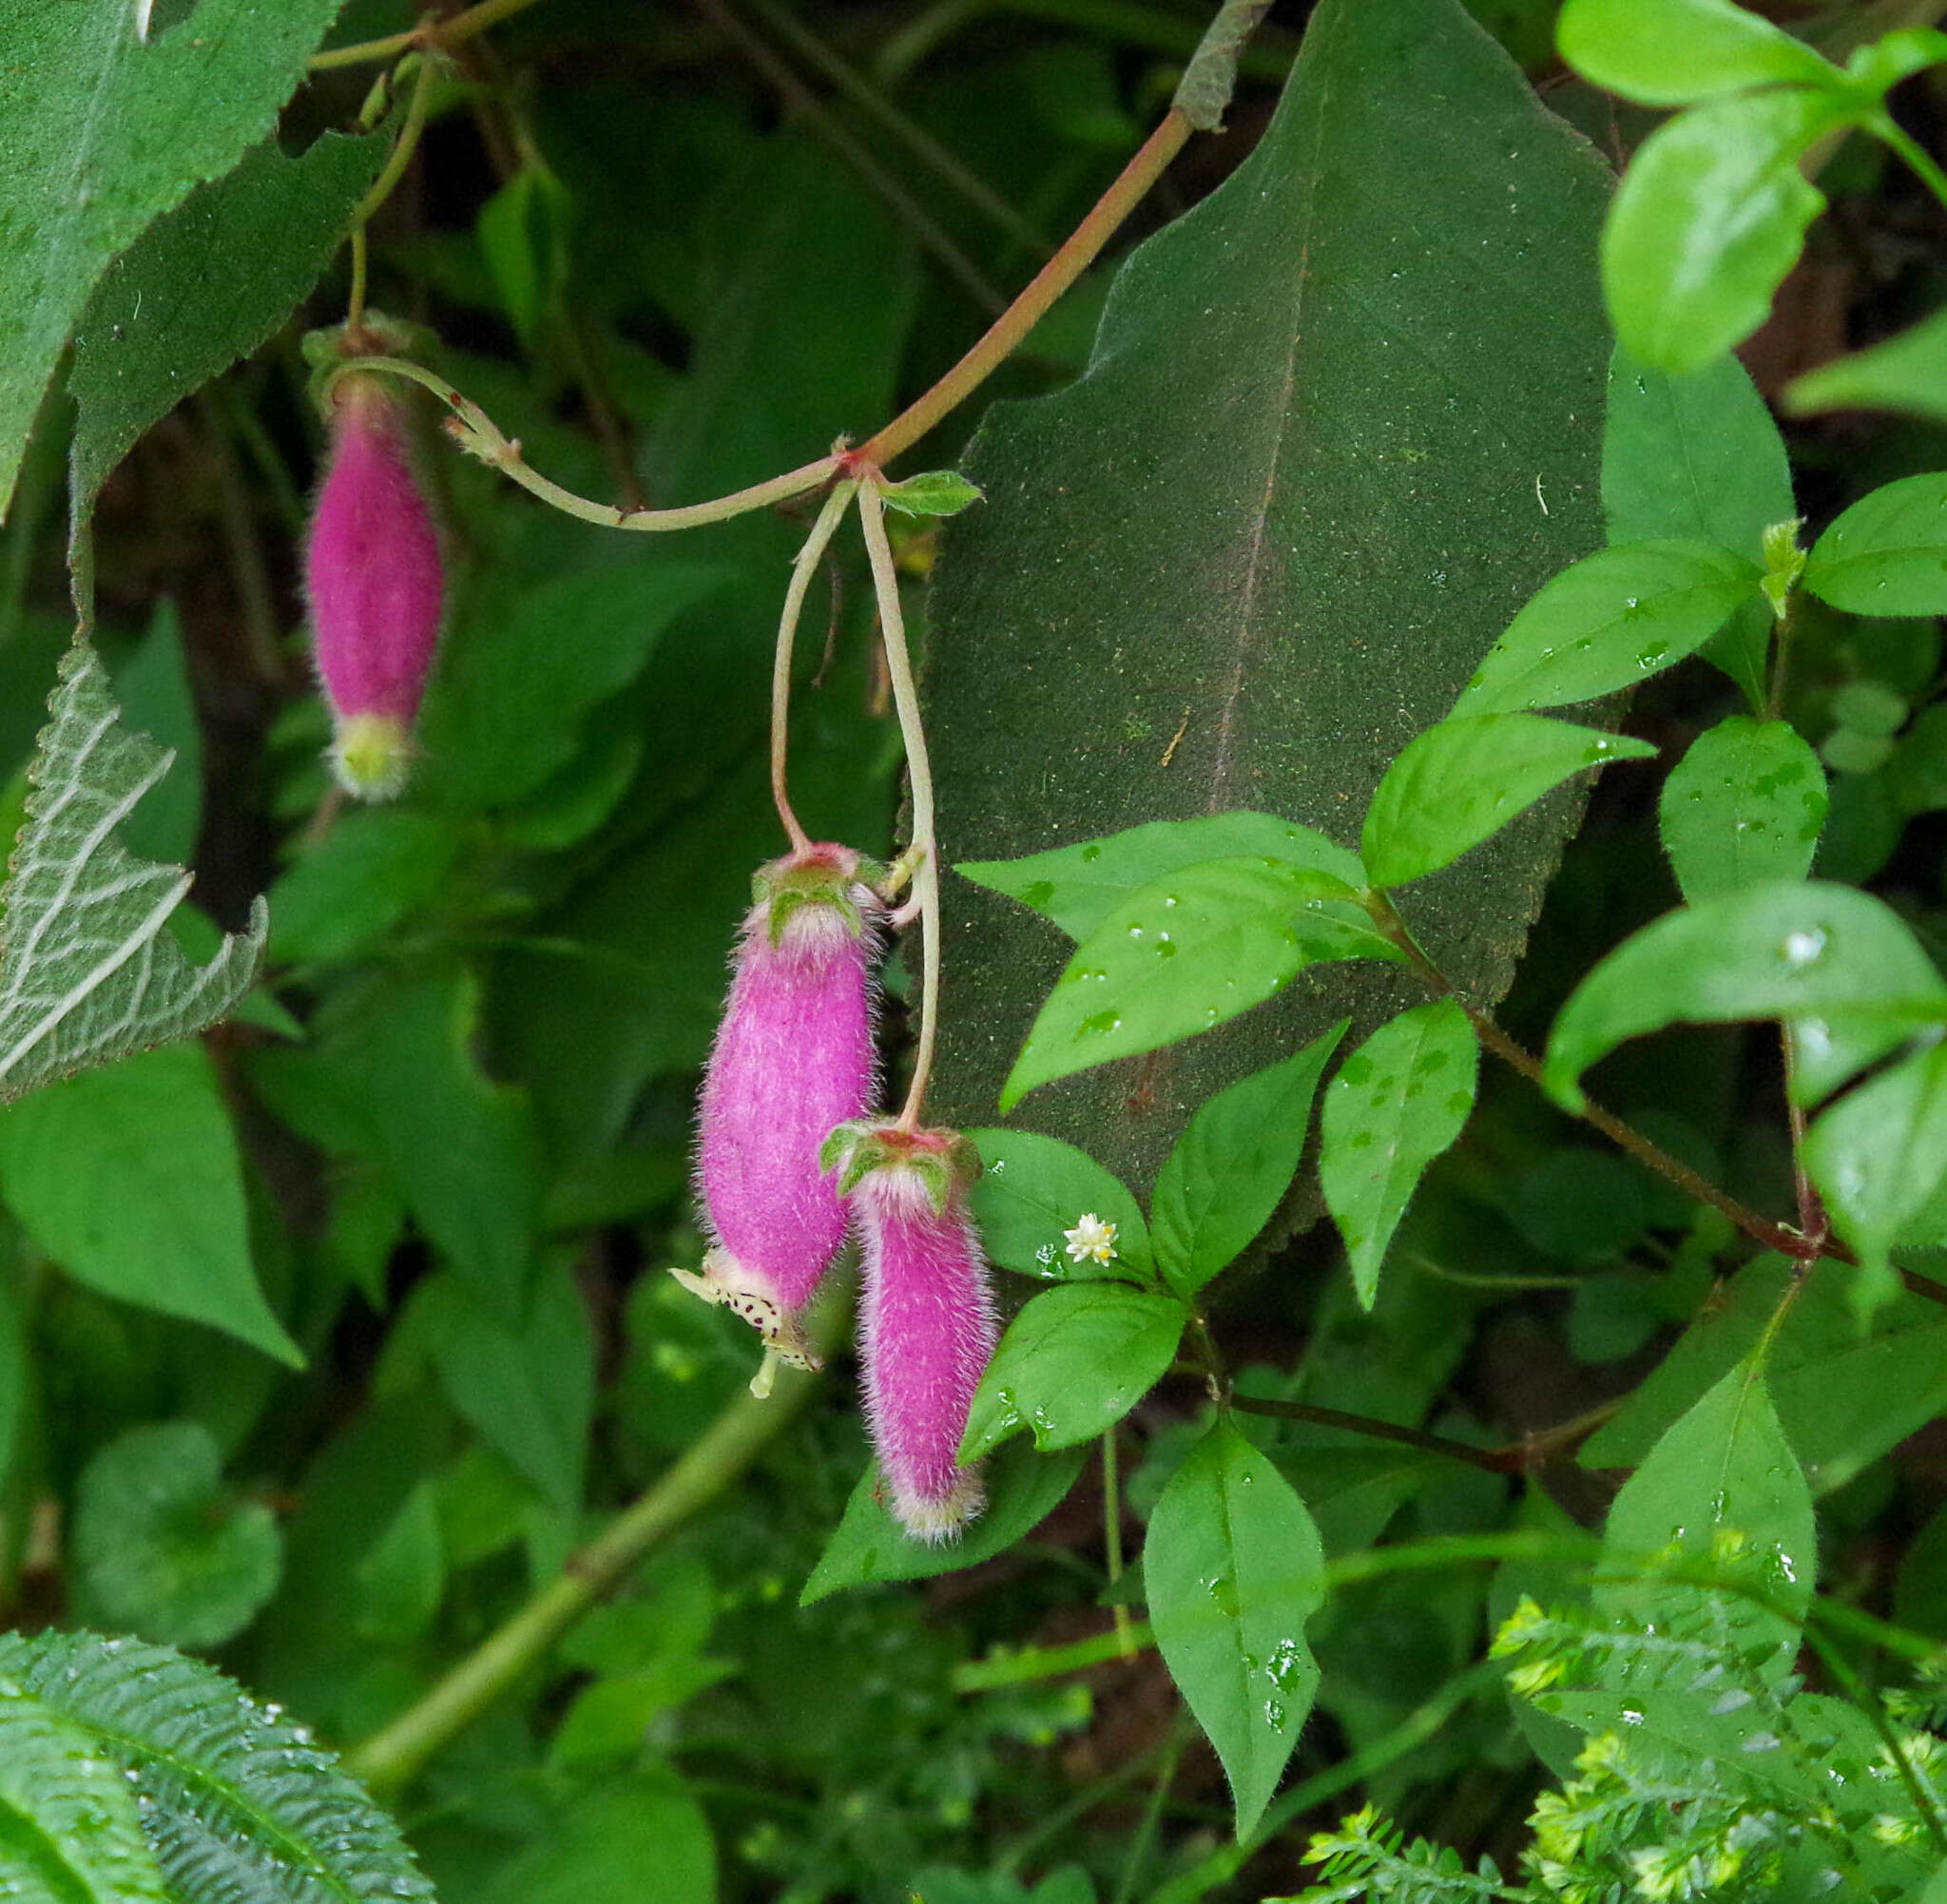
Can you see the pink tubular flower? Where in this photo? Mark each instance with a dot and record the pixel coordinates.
(376, 585)
(794, 1056)
(926, 1318)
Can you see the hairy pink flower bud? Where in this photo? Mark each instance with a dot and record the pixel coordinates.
(794, 1056)
(926, 1317)
(376, 585)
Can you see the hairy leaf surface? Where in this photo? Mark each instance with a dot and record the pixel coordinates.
(1320, 456)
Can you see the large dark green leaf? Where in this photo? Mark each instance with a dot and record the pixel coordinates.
(1320, 456)
(203, 286)
(99, 134)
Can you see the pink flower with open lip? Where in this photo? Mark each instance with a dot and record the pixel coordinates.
(376, 588)
(794, 1056)
(927, 1322)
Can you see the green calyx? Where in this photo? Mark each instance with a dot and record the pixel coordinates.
(943, 1160)
(787, 884)
(335, 349)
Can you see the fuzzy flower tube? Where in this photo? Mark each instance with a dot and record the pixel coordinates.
(794, 1056)
(926, 1326)
(376, 587)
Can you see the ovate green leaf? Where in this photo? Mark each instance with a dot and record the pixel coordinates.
(1233, 1569)
(1887, 554)
(1231, 1168)
(1077, 887)
(868, 1545)
(1878, 1154)
(160, 1547)
(1465, 779)
(1034, 1188)
(1612, 619)
(1710, 217)
(1396, 1104)
(638, 1838)
(1745, 805)
(129, 1179)
(87, 974)
(1698, 455)
(1186, 953)
(1837, 965)
(1906, 373)
(1072, 1363)
(1669, 53)
(1722, 1491)
(1244, 559)
(100, 132)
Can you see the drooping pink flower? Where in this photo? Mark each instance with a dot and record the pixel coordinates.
(926, 1318)
(794, 1057)
(376, 585)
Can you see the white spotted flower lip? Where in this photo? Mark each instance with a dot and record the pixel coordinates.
(1092, 1240)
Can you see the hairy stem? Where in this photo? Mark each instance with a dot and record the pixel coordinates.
(479, 435)
(924, 845)
(804, 567)
(392, 1756)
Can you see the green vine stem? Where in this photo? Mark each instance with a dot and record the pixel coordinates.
(451, 32)
(478, 436)
(804, 567)
(924, 846)
(392, 1757)
(387, 183)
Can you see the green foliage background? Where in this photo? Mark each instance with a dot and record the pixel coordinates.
(335, 1344)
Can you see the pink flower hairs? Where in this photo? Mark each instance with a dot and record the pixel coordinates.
(927, 1322)
(794, 1057)
(376, 585)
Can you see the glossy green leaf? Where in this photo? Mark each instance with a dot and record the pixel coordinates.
(1396, 1104)
(151, 687)
(1233, 1570)
(1231, 1168)
(1745, 805)
(1844, 1394)
(235, 1798)
(868, 1547)
(88, 974)
(100, 133)
(1031, 1189)
(1698, 455)
(1669, 52)
(129, 1179)
(1906, 373)
(523, 233)
(346, 891)
(932, 493)
(71, 1833)
(204, 285)
(1072, 1363)
(161, 1548)
(1615, 619)
(1268, 536)
(1710, 217)
(1721, 1490)
(1887, 554)
(1077, 887)
(1184, 953)
(1465, 778)
(1879, 1152)
(1840, 966)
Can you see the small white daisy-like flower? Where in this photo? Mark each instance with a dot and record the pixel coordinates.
(1091, 1239)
